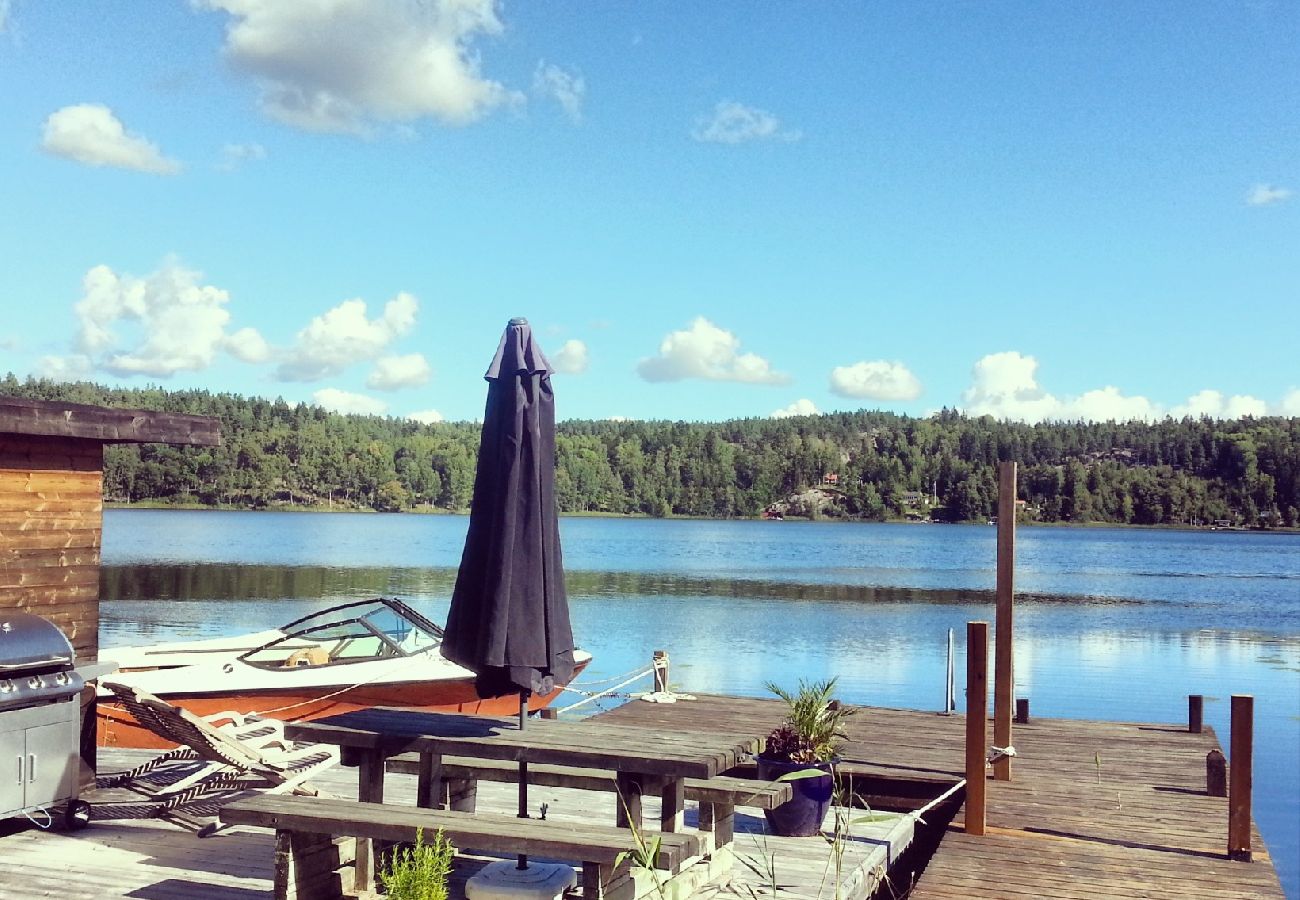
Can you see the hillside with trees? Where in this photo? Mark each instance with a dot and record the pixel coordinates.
(861, 465)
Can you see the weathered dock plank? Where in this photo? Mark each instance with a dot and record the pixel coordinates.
(1094, 809)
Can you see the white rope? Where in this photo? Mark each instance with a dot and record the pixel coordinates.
(937, 800)
(634, 673)
(49, 819)
(590, 697)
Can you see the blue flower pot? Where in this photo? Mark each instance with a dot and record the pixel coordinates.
(802, 815)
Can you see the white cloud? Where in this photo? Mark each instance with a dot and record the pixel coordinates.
(571, 359)
(708, 352)
(1005, 386)
(1264, 194)
(349, 403)
(5, 8)
(426, 417)
(1214, 405)
(802, 407)
(1290, 405)
(89, 133)
(877, 379)
(341, 65)
(64, 368)
(394, 372)
(735, 123)
(343, 336)
(247, 345)
(235, 155)
(567, 89)
(178, 324)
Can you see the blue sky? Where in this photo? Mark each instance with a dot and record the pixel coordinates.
(1034, 210)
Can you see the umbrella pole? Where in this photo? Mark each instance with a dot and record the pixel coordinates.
(523, 773)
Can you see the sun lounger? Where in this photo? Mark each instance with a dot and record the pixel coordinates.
(219, 759)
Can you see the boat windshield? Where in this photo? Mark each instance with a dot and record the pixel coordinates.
(353, 632)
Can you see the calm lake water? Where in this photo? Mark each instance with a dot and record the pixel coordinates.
(1115, 624)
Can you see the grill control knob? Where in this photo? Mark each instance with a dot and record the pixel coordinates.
(6, 686)
(60, 677)
(33, 682)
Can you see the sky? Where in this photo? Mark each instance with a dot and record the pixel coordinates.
(707, 211)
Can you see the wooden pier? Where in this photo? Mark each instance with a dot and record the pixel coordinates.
(1093, 810)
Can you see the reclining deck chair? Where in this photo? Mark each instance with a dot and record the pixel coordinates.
(219, 759)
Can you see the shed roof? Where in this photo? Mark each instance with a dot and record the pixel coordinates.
(110, 426)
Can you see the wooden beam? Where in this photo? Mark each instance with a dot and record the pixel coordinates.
(1239, 776)
(1195, 713)
(1004, 629)
(977, 710)
(98, 423)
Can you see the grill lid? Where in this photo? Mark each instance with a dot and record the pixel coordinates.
(28, 642)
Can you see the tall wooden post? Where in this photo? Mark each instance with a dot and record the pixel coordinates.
(659, 666)
(977, 711)
(1195, 713)
(1239, 776)
(1004, 628)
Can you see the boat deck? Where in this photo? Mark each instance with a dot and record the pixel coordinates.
(1137, 825)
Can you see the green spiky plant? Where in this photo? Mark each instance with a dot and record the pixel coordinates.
(814, 723)
(419, 871)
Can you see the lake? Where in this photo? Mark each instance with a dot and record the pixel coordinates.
(1117, 624)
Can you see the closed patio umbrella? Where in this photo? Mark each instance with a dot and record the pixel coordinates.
(509, 616)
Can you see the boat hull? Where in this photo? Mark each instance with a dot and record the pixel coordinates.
(115, 727)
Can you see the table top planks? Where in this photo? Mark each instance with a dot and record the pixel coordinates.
(1094, 810)
(674, 753)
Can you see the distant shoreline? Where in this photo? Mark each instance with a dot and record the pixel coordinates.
(431, 511)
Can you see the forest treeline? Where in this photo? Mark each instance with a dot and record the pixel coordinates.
(867, 465)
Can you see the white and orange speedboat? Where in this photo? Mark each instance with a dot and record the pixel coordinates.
(367, 653)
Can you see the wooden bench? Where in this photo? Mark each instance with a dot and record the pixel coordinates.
(718, 796)
(310, 862)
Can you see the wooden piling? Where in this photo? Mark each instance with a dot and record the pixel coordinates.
(1022, 711)
(1216, 773)
(1239, 777)
(1004, 676)
(660, 668)
(1195, 713)
(977, 710)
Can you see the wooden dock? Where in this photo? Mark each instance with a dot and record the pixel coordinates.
(1094, 810)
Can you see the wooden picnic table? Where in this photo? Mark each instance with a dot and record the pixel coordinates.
(643, 759)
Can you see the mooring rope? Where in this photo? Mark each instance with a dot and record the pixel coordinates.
(589, 696)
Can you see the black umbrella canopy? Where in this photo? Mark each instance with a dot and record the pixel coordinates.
(509, 616)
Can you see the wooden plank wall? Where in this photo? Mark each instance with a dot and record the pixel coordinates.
(51, 521)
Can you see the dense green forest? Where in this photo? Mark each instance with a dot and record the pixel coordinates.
(868, 465)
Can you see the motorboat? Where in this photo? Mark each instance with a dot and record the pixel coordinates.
(378, 652)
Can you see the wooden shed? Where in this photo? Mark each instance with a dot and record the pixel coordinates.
(51, 502)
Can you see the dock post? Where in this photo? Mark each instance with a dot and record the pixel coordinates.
(1004, 630)
(1216, 774)
(660, 667)
(977, 711)
(1195, 713)
(1022, 710)
(1239, 776)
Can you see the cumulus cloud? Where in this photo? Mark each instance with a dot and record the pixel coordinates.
(394, 372)
(349, 403)
(343, 336)
(235, 155)
(802, 407)
(426, 417)
(1265, 194)
(706, 351)
(174, 322)
(736, 123)
(247, 345)
(343, 65)
(565, 88)
(73, 367)
(89, 133)
(1005, 385)
(877, 379)
(571, 359)
(1214, 405)
(1290, 405)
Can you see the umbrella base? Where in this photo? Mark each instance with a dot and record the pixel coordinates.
(504, 880)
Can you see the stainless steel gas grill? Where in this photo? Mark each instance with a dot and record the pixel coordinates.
(40, 721)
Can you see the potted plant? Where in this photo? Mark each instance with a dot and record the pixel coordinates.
(802, 750)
